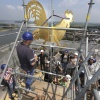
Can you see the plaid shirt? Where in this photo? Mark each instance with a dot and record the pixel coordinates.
(8, 75)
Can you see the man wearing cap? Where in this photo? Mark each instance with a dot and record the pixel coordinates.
(74, 60)
(26, 57)
(47, 77)
(72, 63)
(42, 57)
(93, 65)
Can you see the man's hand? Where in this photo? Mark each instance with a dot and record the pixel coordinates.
(35, 57)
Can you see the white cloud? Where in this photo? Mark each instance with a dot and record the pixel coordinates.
(10, 7)
(20, 8)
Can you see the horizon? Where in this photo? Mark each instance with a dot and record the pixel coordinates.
(15, 21)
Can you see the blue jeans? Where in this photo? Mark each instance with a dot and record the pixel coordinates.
(11, 89)
(29, 81)
(64, 66)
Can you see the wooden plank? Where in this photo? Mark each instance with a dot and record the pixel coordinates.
(49, 87)
(3, 94)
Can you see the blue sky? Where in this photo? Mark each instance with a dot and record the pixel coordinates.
(13, 10)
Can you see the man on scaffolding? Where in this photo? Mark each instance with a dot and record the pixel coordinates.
(42, 58)
(26, 57)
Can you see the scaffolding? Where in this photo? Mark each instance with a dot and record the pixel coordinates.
(88, 81)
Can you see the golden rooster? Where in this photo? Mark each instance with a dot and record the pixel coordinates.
(36, 11)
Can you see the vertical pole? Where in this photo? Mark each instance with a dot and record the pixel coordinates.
(72, 92)
(93, 79)
(84, 34)
(86, 23)
(74, 36)
(86, 48)
(51, 60)
(25, 16)
(17, 85)
(86, 53)
(76, 75)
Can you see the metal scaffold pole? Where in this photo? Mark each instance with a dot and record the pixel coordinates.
(86, 53)
(25, 15)
(86, 23)
(76, 75)
(2, 76)
(94, 78)
(51, 61)
(54, 28)
(86, 34)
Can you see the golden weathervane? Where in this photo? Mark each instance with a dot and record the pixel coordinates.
(36, 11)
